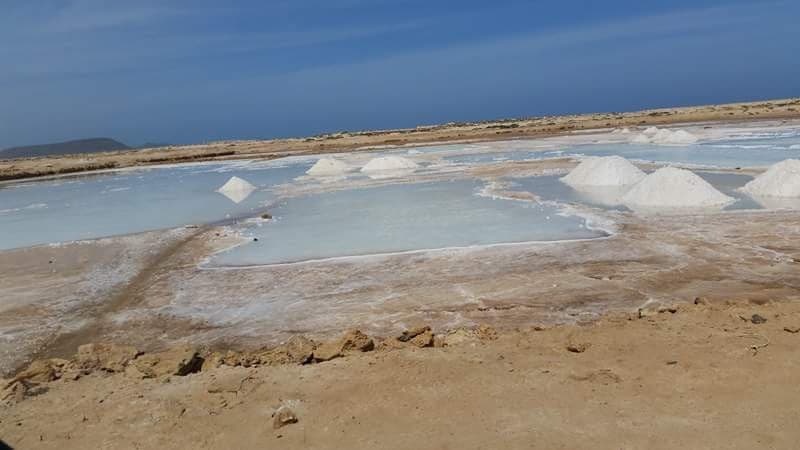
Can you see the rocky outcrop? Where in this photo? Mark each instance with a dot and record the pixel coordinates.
(179, 361)
(106, 357)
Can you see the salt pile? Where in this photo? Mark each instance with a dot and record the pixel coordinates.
(780, 180)
(670, 187)
(389, 163)
(327, 167)
(663, 136)
(236, 189)
(604, 171)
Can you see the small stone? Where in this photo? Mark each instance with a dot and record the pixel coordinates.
(283, 416)
(792, 329)
(266, 216)
(300, 349)
(179, 361)
(757, 319)
(578, 347)
(423, 340)
(700, 301)
(411, 333)
(352, 341)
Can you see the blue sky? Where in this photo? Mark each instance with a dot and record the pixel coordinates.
(194, 71)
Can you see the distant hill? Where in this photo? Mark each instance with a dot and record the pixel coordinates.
(93, 145)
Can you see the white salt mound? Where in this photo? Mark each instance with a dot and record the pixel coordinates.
(236, 189)
(780, 180)
(327, 167)
(389, 163)
(663, 136)
(670, 187)
(604, 171)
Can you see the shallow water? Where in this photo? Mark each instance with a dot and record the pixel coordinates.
(550, 188)
(758, 149)
(399, 218)
(115, 203)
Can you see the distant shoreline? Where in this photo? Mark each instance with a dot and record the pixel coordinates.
(366, 140)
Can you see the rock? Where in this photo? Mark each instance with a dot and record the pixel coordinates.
(355, 340)
(413, 332)
(459, 337)
(352, 341)
(757, 319)
(667, 309)
(213, 361)
(40, 371)
(792, 329)
(283, 416)
(107, 357)
(701, 301)
(179, 361)
(328, 351)
(300, 349)
(577, 344)
(423, 340)
(486, 333)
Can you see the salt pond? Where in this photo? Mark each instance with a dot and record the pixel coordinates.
(115, 203)
(398, 218)
(401, 218)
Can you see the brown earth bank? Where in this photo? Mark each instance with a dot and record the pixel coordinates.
(349, 141)
(696, 375)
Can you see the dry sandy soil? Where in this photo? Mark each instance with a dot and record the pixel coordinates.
(708, 376)
(349, 141)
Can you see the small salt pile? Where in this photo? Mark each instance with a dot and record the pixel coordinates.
(236, 189)
(670, 187)
(389, 163)
(604, 171)
(780, 180)
(327, 167)
(663, 136)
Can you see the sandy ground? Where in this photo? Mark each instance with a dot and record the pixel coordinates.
(704, 376)
(349, 141)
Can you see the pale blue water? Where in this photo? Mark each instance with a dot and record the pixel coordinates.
(99, 205)
(549, 188)
(747, 150)
(399, 218)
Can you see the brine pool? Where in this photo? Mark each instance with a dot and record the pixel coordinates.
(368, 220)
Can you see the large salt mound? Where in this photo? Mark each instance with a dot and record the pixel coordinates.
(780, 180)
(663, 136)
(604, 171)
(389, 163)
(236, 189)
(327, 167)
(670, 187)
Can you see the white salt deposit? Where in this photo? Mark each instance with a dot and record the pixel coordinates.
(780, 180)
(328, 167)
(389, 163)
(670, 187)
(663, 136)
(236, 189)
(604, 171)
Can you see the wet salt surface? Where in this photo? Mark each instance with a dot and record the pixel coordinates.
(116, 203)
(753, 149)
(399, 218)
